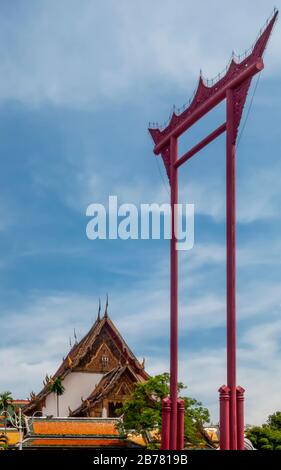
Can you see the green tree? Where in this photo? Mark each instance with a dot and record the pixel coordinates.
(195, 417)
(265, 437)
(274, 421)
(56, 386)
(6, 406)
(142, 413)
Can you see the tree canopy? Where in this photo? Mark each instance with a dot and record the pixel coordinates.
(274, 421)
(56, 386)
(267, 436)
(6, 406)
(6, 400)
(142, 412)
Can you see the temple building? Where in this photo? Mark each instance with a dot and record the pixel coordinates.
(98, 375)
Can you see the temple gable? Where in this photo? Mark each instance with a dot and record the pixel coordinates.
(98, 375)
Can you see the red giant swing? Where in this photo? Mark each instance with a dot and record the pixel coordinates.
(233, 87)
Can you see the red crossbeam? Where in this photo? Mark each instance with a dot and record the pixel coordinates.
(216, 133)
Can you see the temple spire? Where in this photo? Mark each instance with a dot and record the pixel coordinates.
(99, 311)
(106, 307)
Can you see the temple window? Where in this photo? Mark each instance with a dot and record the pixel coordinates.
(104, 361)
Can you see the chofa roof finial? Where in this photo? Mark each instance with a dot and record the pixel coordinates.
(99, 310)
(106, 307)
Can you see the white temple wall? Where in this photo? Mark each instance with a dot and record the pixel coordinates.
(77, 385)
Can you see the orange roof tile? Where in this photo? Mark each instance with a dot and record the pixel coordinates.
(77, 442)
(75, 427)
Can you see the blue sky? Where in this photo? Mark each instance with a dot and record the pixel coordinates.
(79, 83)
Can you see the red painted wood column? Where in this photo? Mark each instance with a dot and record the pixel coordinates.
(173, 296)
(231, 265)
(224, 417)
(166, 416)
(240, 418)
(180, 434)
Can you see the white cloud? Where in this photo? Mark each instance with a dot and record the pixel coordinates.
(82, 55)
(259, 194)
(79, 54)
(35, 338)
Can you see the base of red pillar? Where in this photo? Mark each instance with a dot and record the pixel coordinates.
(166, 419)
(180, 425)
(240, 417)
(224, 392)
(166, 424)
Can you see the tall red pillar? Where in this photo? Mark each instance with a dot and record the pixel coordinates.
(231, 265)
(224, 417)
(240, 418)
(173, 296)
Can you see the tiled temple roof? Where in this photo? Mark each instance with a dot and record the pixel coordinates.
(77, 427)
(74, 432)
(74, 442)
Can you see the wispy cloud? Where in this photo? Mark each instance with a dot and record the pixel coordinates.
(79, 55)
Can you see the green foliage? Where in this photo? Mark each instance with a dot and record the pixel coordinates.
(274, 421)
(5, 401)
(195, 417)
(265, 437)
(142, 413)
(56, 386)
(6, 406)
